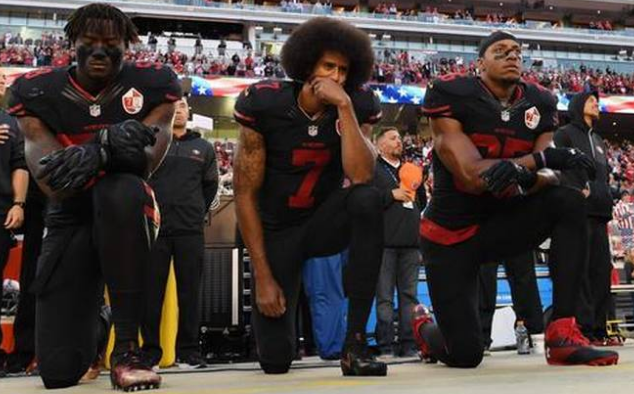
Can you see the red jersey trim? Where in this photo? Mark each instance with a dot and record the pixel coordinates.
(73, 139)
(437, 109)
(15, 109)
(244, 117)
(81, 90)
(171, 97)
(444, 236)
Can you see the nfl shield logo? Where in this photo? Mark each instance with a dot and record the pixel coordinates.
(132, 101)
(313, 131)
(532, 118)
(506, 116)
(95, 110)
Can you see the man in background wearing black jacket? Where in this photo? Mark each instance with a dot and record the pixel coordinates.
(595, 290)
(401, 256)
(14, 179)
(185, 186)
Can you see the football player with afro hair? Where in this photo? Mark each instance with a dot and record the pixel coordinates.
(298, 141)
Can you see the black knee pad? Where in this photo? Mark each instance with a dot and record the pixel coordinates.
(52, 384)
(466, 358)
(62, 367)
(364, 200)
(275, 369)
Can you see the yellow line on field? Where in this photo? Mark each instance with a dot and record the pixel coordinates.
(274, 387)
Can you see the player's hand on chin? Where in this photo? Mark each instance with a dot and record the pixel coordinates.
(269, 297)
(329, 91)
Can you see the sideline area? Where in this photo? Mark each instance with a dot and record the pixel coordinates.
(503, 372)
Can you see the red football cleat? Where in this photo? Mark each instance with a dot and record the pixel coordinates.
(420, 317)
(566, 345)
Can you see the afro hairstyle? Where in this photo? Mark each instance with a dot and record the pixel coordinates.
(308, 42)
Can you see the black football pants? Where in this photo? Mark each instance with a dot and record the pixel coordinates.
(112, 246)
(595, 297)
(187, 252)
(349, 217)
(452, 271)
(520, 273)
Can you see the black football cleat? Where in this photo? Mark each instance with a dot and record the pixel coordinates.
(130, 372)
(357, 360)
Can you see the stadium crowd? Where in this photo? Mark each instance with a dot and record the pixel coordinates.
(393, 67)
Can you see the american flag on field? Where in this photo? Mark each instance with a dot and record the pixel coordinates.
(399, 94)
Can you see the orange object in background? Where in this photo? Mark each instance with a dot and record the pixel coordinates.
(411, 177)
(11, 271)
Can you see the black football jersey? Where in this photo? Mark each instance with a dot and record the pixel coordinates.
(453, 214)
(303, 154)
(74, 115)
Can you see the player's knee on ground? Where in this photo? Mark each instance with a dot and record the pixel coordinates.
(466, 356)
(364, 200)
(276, 355)
(62, 367)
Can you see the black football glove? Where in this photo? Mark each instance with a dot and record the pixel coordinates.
(504, 174)
(72, 168)
(567, 159)
(125, 145)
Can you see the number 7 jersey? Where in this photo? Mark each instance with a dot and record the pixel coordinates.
(303, 153)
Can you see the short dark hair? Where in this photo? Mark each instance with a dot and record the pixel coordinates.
(307, 44)
(90, 16)
(384, 130)
(492, 38)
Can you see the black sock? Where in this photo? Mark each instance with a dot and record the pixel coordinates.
(126, 308)
(358, 312)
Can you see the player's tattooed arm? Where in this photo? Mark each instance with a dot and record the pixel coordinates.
(39, 141)
(161, 117)
(248, 177)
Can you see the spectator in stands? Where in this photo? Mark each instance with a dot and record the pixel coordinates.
(222, 47)
(198, 45)
(171, 44)
(595, 291)
(402, 205)
(152, 41)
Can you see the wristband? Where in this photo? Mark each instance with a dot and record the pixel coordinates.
(540, 160)
(20, 204)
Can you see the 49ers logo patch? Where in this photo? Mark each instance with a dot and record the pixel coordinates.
(132, 101)
(532, 118)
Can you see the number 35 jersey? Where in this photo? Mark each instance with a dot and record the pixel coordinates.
(303, 154)
(454, 214)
